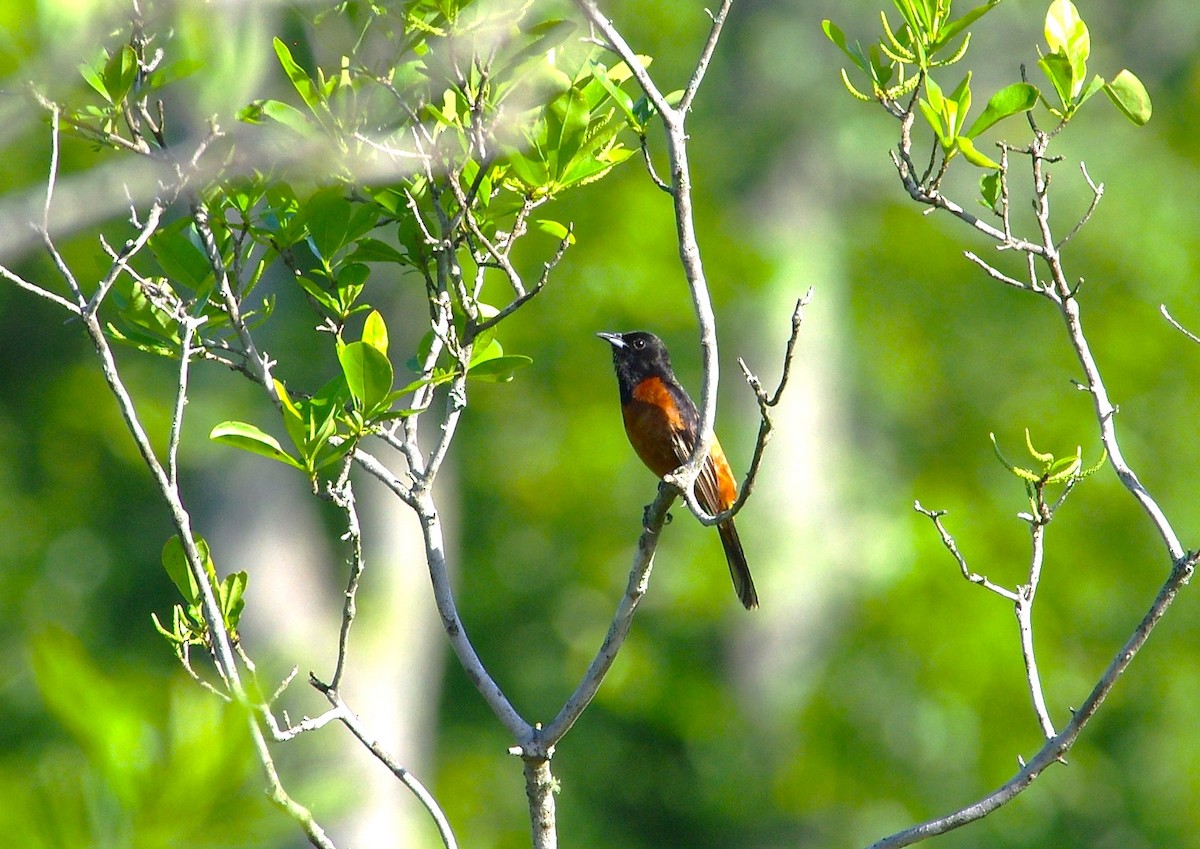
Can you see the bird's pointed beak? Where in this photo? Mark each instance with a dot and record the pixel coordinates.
(613, 339)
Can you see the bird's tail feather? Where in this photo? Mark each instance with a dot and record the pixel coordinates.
(739, 570)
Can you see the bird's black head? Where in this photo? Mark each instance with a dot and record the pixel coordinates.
(638, 355)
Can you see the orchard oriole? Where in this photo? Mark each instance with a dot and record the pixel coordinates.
(663, 425)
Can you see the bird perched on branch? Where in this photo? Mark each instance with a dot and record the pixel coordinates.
(663, 427)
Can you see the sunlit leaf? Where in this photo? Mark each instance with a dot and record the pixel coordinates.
(1010, 100)
(250, 438)
(498, 369)
(375, 332)
(368, 374)
(973, 155)
(1130, 96)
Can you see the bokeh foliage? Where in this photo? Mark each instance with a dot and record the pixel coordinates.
(914, 700)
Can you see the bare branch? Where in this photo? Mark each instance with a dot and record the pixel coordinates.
(935, 516)
(765, 427)
(443, 593)
(341, 712)
(188, 327)
(618, 629)
(614, 41)
(1097, 194)
(259, 364)
(995, 273)
(342, 494)
(706, 54)
(1056, 748)
(540, 787)
(34, 289)
(1189, 334)
(658, 181)
(1024, 611)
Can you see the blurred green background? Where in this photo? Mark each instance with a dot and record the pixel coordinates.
(875, 688)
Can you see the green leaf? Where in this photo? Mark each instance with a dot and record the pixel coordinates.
(327, 217)
(375, 332)
(952, 29)
(175, 564)
(279, 112)
(934, 117)
(933, 92)
(1066, 33)
(621, 98)
(319, 294)
(179, 258)
(351, 278)
(989, 190)
(835, 34)
(498, 369)
(1094, 86)
(297, 422)
(91, 75)
(1068, 38)
(973, 155)
(368, 374)
(557, 230)
(567, 121)
(119, 74)
(299, 77)
(141, 342)
(169, 72)
(174, 561)
(533, 172)
(250, 438)
(1010, 100)
(585, 169)
(373, 250)
(232, 592)
(1062, 469)
(1057, 69)
(487, 346)
(146, 321)
(961, 96)
(1130, 97)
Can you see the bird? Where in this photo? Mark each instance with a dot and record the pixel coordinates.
(663, 427)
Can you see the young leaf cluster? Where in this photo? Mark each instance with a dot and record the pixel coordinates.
(188, 626)
(907, 54)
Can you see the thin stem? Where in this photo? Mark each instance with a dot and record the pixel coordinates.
(258, 364)
(706, 54)
(187, 335)
(34, 289)
(343, 714)
(121, 261)
(1054, 749)
(1189, 334)
(1024, 611)
(766, 425)
(343, 496)
(618, 629)
(935, 516)
(443, 593)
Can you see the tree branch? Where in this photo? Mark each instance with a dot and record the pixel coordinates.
(1056, 748)
(618, 630)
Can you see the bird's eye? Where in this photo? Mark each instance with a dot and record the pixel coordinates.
(639, 343)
